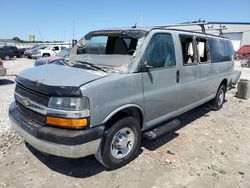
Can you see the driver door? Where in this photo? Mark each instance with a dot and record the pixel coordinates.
(160, 79)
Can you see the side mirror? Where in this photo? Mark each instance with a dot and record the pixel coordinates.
(147, 66)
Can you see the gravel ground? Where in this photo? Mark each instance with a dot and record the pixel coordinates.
(7, 86)
(211, 149)
(15, 66)
(245, 71)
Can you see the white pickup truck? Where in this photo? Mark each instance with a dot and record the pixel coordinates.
(47, 52)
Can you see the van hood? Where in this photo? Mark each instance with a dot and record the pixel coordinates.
(54, 75)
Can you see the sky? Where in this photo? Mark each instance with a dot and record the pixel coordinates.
(53, 19)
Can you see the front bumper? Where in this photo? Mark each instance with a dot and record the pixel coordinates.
(2, 71)
(56, 141)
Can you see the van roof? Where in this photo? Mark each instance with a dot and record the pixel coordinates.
(150, 28)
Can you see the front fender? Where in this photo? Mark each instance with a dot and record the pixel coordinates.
(123, 107)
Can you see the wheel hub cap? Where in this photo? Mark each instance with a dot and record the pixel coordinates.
(122, 143)
(221, 98)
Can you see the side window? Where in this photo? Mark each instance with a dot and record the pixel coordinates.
(56, 47)
(188, 52)
(202, 50)
(127, 41)
(160, 52)
(221, 50)
(96, 45)
(230, 50)
(119, 46)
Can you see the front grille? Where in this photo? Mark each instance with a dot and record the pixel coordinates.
(34, 116)
(32, 95)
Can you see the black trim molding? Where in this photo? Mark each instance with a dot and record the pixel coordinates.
(57, 91)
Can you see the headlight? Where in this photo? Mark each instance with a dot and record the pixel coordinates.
(68, 112)
(69, 103)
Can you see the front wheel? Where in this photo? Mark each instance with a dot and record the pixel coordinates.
(121, 143)
(219, 99)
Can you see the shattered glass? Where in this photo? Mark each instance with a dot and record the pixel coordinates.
(118, 57)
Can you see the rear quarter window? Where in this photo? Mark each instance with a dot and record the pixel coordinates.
(221, 50)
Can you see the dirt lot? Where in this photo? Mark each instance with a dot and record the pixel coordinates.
(212, 149)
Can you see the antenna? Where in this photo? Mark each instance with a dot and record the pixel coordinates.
(134, 25)
(73, 29)
(64, 35)
(141, 18)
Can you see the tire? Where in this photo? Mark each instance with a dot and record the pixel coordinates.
(217, 102)
(7, 57)
(46, 55)
(120, 144)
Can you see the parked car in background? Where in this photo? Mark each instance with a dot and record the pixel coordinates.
(59, 58)
(28, 53)
(14, 49)
(21, 51)
(2, 69)
(6, 54)
(47, 52)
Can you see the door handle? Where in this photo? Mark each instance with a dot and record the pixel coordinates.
(177, 76)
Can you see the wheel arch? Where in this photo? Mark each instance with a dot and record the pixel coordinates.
(46, 53)
(224, 82)
(133, 110)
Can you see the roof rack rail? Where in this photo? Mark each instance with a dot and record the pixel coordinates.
(195, 23)
(203, 23)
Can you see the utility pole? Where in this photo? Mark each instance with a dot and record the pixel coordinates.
(73, 40)
(73, 29)
(64, 35)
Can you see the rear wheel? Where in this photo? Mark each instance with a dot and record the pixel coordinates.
(46, 55)
(7, 57)
(121, 143)
(219, 99)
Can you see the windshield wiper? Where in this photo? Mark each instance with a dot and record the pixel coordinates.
(90, 66)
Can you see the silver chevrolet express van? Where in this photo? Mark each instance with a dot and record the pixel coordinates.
(120, 85)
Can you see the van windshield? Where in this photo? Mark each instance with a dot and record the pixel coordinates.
(109, 48)
(111, 42)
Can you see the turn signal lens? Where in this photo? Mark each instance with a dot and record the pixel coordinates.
(77, 123)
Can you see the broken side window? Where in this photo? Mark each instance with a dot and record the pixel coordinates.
(188, 52)
(203, 50)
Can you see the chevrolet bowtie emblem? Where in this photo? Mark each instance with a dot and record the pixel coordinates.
(39, 82)
(25, 102)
